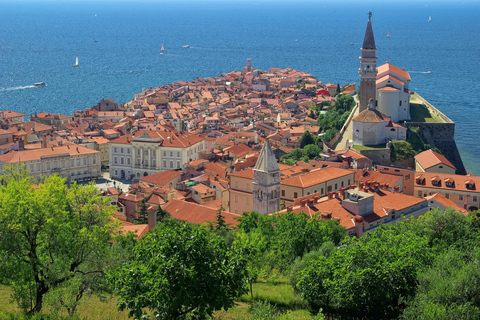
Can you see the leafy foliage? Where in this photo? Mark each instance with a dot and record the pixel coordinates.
(366, 277)
(51, 236)
(179, 269)
(401, 150)
(306, 139)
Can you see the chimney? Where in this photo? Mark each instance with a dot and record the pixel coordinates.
(326, 215)
(289, 208)
(396, 189)
(152, 218)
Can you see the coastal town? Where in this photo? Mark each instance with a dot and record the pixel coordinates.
(254, 140)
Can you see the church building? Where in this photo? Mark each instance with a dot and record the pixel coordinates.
(384, 98)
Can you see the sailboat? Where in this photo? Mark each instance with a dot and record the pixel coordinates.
(388, 35)
(162, 50)
(76, 62)
(429, 18)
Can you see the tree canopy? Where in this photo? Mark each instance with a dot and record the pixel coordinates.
(180, 269)
(50, 235)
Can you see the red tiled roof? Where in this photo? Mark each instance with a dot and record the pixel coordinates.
(196, 213)
(429, 158)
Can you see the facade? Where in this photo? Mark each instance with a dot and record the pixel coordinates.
(368, 68)
(362, 209)
(460, 189)
(318, 181)
(371, 127)
(147, 152)
(70, 162)
(431, 161)
(266, 182)
(393, 96)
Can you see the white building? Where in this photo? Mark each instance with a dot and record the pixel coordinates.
(371, 127)
(70, 162)
(393, 96)
(146, 152)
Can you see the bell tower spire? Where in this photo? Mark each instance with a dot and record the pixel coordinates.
(266, 182)
(368, 67)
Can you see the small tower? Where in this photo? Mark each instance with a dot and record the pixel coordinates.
(368, 67)
(249, 64)
(266, 182)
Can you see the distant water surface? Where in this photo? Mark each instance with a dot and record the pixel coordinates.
(39, 41)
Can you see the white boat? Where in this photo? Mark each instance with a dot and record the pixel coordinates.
(388, 35)
(162, 50)
(76, 62)
(186, 46)
(429, 18)
(40, 84)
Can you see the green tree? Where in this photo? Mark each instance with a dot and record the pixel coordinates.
(220, 222)
(338, 90)
(368, 277)
(344, 102)
(177, 270)
(312, 151)
(450, 289)
(161, 214)
(401, 150)
(50, 235)
(142, 214)
(306, 139)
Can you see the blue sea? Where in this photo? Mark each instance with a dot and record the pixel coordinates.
(118, 42)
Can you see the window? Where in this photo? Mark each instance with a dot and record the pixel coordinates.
(178, 154)
(84, 161)
(474, 198)
(116, 172)
(178, 164)
(295, 195)
(283, 193)
(121, 150)
(321, 190)
(115, 149)
(72, 163)
(420, 194)
(460, 197)
(121, 160)
(171, 164)
(164, 163)
(63, 163)
(164, 153)
(115, 160)
(31, 167)
(329, 188)
(128, 160)
(128, 151)
(78, 162)
(342, 184)
(94, 160)
(48, 165)
(171, 153)
(335, 186)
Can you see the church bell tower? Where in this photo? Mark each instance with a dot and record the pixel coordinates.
(368, 67)
(266, 182)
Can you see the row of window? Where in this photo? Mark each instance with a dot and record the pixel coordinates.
(121, 150)
(447, 195)
(56, 165)
(122, 160)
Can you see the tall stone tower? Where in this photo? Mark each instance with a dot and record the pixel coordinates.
(266, 182)
(368, 67)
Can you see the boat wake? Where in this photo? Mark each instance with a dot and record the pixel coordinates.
(426, 72)
(16, 88)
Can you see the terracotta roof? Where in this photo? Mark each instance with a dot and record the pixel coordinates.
(446, 202)
(247, 173)
(315, 177)
(371, 116)
(460, 181)
(36, 154)
(196, 213)
(396, 70)
(161, 178)
(429, 158)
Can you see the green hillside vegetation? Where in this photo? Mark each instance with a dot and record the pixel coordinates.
(289, 266)
(415, 143)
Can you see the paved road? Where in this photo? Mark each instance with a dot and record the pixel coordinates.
(347, 135)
